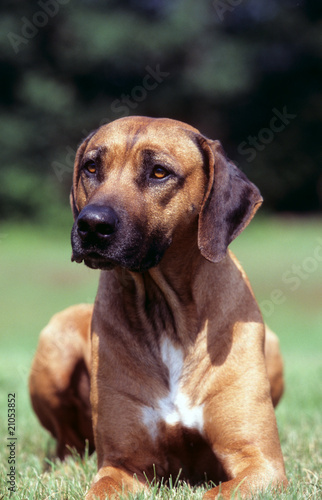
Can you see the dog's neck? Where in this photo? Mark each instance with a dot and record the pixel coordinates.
(160, 301)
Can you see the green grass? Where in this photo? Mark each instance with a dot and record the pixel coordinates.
(38, 279)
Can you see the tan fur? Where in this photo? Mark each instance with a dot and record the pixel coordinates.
(59, 379)
(185, 333)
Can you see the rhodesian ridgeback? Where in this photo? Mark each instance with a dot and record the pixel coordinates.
(182, 381)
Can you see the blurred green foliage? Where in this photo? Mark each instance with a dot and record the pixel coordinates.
(221, 65)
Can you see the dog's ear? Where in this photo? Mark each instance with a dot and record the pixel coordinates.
(229, 204)
(78, 158)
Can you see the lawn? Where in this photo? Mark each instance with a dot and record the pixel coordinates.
(282, 257)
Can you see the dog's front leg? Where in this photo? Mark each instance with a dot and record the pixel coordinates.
(249, 482)
(241, 427)
(113, 483)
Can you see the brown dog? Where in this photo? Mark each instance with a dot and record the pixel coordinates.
(179, 383)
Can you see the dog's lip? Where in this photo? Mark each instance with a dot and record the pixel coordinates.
(94, 255)
(99, 264)
(94, 260)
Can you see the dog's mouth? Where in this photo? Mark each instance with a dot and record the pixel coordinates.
(94, 260)
(131, 251)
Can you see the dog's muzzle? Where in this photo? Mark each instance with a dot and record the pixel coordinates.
(93, 231)
(103, 239)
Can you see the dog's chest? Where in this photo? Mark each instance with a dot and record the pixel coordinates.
(175, 408)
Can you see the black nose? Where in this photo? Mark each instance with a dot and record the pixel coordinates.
(97, 221)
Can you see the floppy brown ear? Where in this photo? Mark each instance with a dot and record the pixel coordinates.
(79, 155)
(230, 203)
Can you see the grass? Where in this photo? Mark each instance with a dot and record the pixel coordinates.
(37, 280)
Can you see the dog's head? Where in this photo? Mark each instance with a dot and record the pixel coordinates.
(140, 182)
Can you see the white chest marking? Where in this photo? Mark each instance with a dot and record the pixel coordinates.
(175, 407)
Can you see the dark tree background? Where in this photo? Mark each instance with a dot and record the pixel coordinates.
(247, 72)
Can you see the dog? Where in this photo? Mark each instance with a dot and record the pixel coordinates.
(183, 377)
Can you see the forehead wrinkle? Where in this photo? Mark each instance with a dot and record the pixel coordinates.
(95, 153)
(137, 132)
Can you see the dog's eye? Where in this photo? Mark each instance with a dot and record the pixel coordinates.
(159, 172)
(90, 167)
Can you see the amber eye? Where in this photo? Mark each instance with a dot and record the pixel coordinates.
(90, 167)
(159, 172)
